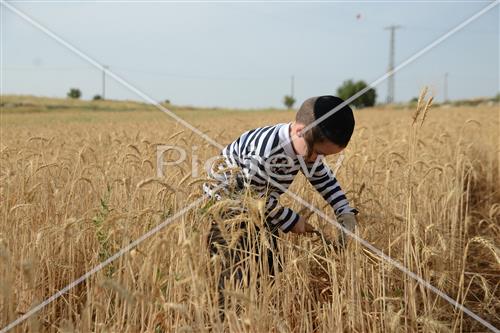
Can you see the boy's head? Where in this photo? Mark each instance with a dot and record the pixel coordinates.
(333, 133)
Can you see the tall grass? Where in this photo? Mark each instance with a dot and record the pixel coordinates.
(73, 195)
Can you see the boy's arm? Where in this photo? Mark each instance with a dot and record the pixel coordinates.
(327, 185)
(257, 173)
(277, 215)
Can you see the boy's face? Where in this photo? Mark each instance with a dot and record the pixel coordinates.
(324, 148)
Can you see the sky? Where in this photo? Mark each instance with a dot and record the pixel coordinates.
(243, 55)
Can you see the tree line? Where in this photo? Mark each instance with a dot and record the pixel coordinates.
(347, 89)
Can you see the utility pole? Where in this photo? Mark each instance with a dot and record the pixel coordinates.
(104, 68)
(445, 89)
(390, 81)
(292, 90)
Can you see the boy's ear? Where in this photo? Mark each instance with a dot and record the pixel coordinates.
(299, 129)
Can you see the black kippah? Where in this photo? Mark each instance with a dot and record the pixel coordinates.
(339, 125)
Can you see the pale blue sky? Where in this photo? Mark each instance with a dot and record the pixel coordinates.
(243, 54)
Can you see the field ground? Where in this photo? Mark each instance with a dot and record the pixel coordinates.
(78, 183)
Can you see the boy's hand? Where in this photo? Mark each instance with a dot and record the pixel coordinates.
(302, 226)
(348, 221)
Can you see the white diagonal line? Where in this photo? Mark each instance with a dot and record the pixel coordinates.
(385, 257)
(101, 265)
(147, 98)
(390, 260)
(405, 63)
(115, 76)
(396, 69)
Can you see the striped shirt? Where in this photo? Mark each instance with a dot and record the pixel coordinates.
(265, 160)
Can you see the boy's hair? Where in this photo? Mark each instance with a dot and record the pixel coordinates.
(336, 128)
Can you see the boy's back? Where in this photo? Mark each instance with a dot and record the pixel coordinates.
(267, 159)
(268, 163)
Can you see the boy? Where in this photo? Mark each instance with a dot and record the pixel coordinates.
(267, 160)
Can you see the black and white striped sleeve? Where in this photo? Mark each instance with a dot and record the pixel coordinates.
(322, 178)
(256, 171)
(277, 215)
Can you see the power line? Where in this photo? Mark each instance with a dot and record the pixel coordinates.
(47, 68)
(151, 72)
(200, 77)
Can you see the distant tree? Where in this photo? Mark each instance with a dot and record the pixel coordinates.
(167, 101)
(350, 88)
(97, 97)
(74, 93)
(289, 101)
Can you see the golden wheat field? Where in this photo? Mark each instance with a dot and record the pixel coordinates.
(79, 182)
